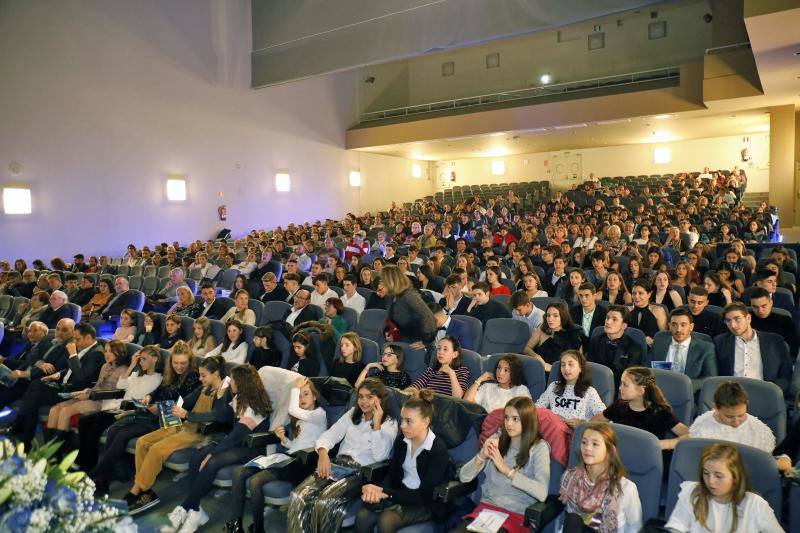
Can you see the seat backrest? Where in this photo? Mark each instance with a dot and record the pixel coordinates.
(275, 311)
(764, 476)
(163, 271)
(257, 306)
(471, 360)
(74, 312)
(187, 327)
(504, 335)
(369, 350)
(137, 300)
(217, 330)
(532, 371)
(641, 454)
(475, 326)
(135, 271)
(602, 380)
(677, 389)
(543, 301)
(192, 284)
(6, 302)
(370, 325)
(249, 332)
(149, 285)
(226, 303)
(351, 317)
(503, 299)
(135, 282)
(365, 292)
(415, 363)
(765, 401)
(227, 278)
(150, 270)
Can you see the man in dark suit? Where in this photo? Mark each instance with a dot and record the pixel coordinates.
(83, 367)
(208, 306)
(273, 291)
(768, 280)
(37, 346)
(746, 352)
(78, 264)
(588, 315)
(613, 348)
(267, 264)
(764, 318)
(123, 299)
(454, 302)
(555, 277)
(691, 356)
(56, 309)
(483, 307)
(705, 321)
(291, 283)
(301, 311)
(447, 326)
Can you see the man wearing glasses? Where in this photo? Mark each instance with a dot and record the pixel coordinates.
(745, 352)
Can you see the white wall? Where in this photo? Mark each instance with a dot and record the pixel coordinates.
(635, 159)
(102, 99)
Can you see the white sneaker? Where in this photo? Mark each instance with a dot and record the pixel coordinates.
(177, 517)
(194, 520)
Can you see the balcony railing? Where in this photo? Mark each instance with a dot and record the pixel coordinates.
(522, 94)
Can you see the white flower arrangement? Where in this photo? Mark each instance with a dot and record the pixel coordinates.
(39, 496)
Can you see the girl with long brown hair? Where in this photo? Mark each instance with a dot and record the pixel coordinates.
(251, 410)
(308, 422)
(642, 405)
(596, 492)
(722, 501)
(516, 464)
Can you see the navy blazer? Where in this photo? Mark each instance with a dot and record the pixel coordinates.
(460, 331)
(461, 308)
(775, 358)
(119, 303)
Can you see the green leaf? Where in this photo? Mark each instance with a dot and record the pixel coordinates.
(68, 460)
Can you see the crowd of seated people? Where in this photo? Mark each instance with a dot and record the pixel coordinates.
(626, 283)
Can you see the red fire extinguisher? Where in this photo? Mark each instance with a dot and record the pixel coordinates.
(223, 212)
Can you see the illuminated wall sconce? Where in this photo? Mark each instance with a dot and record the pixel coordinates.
(662, 155)
(498, 168)
(416, 170)
(355, 178)
(176, 189)
(282, 182)
(16, 200)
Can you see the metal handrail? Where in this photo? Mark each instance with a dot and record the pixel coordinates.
(532, 92)
(729, 48)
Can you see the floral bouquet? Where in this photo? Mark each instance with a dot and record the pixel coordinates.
(38, 495)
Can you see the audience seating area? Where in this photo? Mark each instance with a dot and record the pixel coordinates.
(541, 215)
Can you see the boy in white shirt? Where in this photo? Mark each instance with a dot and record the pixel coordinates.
(728, 420)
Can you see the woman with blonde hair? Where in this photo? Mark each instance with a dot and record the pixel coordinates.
(241, 310)
(408, 317)
(185, 302)
(202, 341)
(722, 500)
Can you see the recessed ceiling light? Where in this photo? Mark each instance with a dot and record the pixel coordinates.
(662, 117)
(607, 122)
(570, 126)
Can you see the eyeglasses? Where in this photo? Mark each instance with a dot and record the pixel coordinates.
(388, 352)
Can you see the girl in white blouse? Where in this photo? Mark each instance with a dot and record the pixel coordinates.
(233, 348)
(596, 492)
(366, 433)
(308, 422)
(241, 310)
(572, 396)
(507, 384)
(721, 500)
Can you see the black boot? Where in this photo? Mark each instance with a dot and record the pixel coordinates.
(234, 526)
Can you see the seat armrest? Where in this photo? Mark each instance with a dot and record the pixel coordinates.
(212, 428)
(375, 472)
(307, 457)
(452, 490)
(261, 440)
(539, 514)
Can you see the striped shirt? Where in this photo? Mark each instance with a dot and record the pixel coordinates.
(440, 382)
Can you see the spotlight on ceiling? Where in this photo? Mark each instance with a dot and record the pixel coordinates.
(545, 78)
